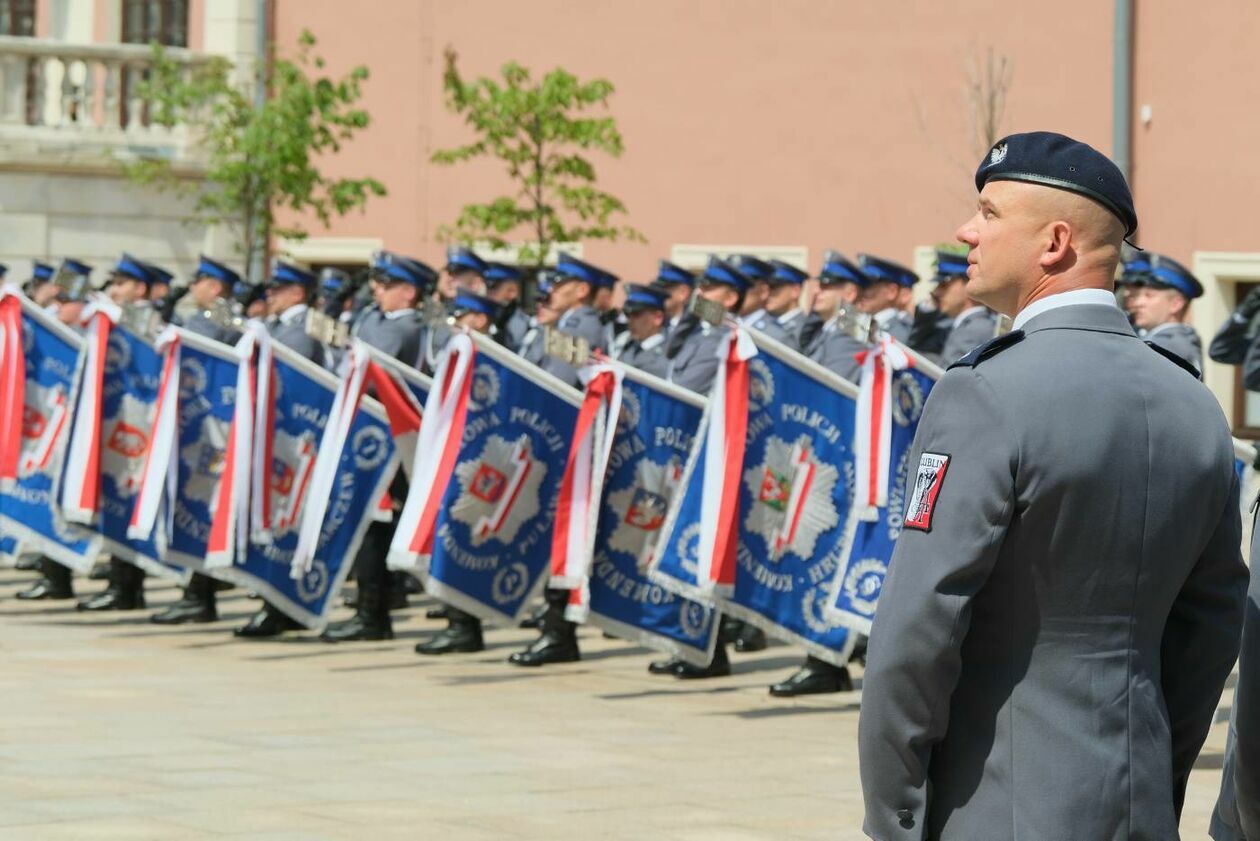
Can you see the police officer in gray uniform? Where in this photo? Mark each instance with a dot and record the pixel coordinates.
(574, 285)
(463, 269)
(1159, 299)
(503, 286)
(210, 317)
(692, 346)
(886, 284)
(753, 308)
(824, 339)
(971, 323)
(533, 347)
(781, 316)
(1064, 603)
(645, 328)
(393, 328)
(679, 284)
(1237, 814)
(288, 294)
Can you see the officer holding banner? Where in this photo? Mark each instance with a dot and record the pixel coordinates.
(644, 347)
(692, 346)
(678, 284)
(781, 315)
(394, 328)
(1043, 666)
(503, 287)
(828, 342)
(571, 298)
(288, 293)
(887, 285)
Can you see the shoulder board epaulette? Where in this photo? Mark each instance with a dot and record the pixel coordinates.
(1179, 360)
(990, 348)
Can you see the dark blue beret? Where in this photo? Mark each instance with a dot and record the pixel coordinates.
(1166, 273)
(720, 271)
(1043, 157)
(877, 268)
(838, 269)
(950, 265)
(786, 273)
(672, 273)
(639, 297)
(752, 268)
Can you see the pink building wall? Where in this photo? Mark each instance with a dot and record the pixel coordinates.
(796, 123)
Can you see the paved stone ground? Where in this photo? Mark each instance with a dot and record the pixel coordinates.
(119, 729)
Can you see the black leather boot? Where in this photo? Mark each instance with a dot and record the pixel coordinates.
(558, 643)
(664, 667)
(266, 623)
(197, 605)
(461, 636)
(534, 621)
(370, 622)
(814, 677)
(125, 590)
(749, 639)
(55, 585)
(719, 666)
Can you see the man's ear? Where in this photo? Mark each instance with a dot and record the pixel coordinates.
(1058, 251)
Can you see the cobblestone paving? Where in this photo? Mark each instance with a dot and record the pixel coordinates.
(119, 729)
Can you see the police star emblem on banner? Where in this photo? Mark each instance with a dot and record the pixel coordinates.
(499, 491)
(791, 498)
(641, 509)
(203, 461)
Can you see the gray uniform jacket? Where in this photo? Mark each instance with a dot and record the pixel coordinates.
(202, 326)
(692, 351)
(648, 356)
(582, 322)
(897, 325)
(513, 329)
(1237, 816)
(973, 330)
(785, 328)
(837, 351)
(1181, 339)
(531, 348)
(1230, 343)
(1064, 602)
(289, 329)
(399, 334)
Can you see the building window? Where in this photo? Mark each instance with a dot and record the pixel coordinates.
(17, 17)
(163, 21)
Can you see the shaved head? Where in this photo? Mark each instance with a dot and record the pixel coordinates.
(1028, 241)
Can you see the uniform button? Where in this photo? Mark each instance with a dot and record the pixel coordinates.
(906, 817)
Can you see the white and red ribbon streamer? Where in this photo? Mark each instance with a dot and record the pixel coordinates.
(723, 462)
(159, 478)
(230, 526)
(12, 382)
(81, 487)
(441, 430)
(577, 513)
(874, 424)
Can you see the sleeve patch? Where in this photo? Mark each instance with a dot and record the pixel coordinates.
(927, 487)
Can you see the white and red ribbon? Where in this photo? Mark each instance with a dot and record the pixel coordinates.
(874, 424)
(441, 430)
(159, 478)
(723, 463)
(230, 525)
(316, 486)
(573, 538)
(81, 487)
(12, 382)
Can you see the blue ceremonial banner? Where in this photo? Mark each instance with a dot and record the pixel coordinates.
(795, 513)
(655, 433)
(300, 402)
(28, 515)
(492, 535)
(207, 398)
(854, 592)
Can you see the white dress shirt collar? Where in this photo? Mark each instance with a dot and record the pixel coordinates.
(1099, 297)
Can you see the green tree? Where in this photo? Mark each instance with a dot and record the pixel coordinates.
(261, 155)
(541, 133)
